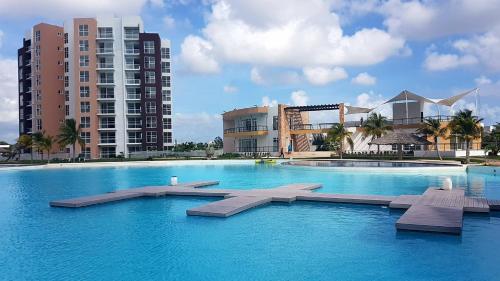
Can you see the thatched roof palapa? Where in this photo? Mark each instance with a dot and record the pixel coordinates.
(400, 138)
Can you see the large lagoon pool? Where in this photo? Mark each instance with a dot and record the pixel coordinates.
(153, 239)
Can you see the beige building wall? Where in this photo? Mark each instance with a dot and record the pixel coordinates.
(92, 84)
(48, 79)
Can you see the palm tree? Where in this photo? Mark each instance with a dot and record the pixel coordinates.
(46, 144)
(467, 127)
(338, 134)
(37, 138)
(26, 142)
(432, 127)
(375, 126)
(69, 134)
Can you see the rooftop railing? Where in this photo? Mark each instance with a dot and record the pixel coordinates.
(246, 129)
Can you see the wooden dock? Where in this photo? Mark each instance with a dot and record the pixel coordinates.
(434, 211)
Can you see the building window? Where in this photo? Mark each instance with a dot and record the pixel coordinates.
(66, 81)
(107, 123)
(107, 137)
(151, 137)
(149, 62)
(84, 106)
(85, 122)
(134, 137)
(151, 107)
(84, 61)
(37, 36)
(106, 93)
(134, 122)
(38, 124)
(165, 67)
(83, 30)
(66, 67)
(66, 52)
(84, 45)
(167, 137)
(66, 38)
(167, 109)
(86, 152)
(107, 108)
(150, 121)
(105, 32)
(66, 109)
(150, 92)
(84, 92)
(150, 77)
(134, 108)
(85, 137)
(275, 123)
(149, 47)
(165, 53)
(38, 110)
(165, 81)
(84, 76)
(166, 95)
(167, 123)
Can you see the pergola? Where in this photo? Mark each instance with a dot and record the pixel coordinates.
(400, 139)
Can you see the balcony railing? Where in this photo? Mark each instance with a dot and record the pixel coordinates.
(104, 35)
(131, 51)
(134, 111)
(132, 36)
(101, 51)
(132, 66)
(104, 96)
(246, 129)
(106, 111)
(106, 126)
(255, 149)
(319, 126)
(134, 96)
(105, 81)
(105, 65)
(107, 141)
(133, 81)
(134, 141)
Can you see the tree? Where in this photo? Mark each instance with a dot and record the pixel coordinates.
(432, 127)
(25, 142)
(491, 142)
(37, 139)
(46, 144)
(375, 126)
(337, 135)
(467, 127)
(11, 152)
(69, 134)
(218, 143)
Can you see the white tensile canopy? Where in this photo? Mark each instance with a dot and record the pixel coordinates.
(406, 96)
(356, 110)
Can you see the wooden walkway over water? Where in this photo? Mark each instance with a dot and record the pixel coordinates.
(435, 210)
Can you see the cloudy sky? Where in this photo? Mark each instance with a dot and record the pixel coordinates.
(230, 54)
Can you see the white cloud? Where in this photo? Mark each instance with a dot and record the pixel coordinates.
(299, 98)
(423, 20)
(364, 79)
(272, 76)
(230, 89)
(481, 80)
(369, 100)
(292, 34)
(324, 75)
(196, 53)
(207, 126)
(64, 9)
(483, 47)
(157, 3)
(439, 62)
(169, 21)
(267, 101)
(8, 99)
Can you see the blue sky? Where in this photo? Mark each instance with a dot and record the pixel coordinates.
(230, 54)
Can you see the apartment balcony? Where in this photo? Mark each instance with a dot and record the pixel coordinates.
(29, 117)
(106, 112)
(104, 127)
(105, 97)
(105, 66)
(258, 130)
(132, 51)
(133, 96)
(104, 36)
(134, 141)
(108, 142)
(105, 82)
(104, 51)
(134, 82)
(134, 112)
(131, 36)
(132, 66)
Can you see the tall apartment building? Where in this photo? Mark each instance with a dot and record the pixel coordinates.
(108, 74)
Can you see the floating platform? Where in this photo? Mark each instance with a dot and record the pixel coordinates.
(434, 211)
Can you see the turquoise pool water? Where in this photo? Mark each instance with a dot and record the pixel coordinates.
(153, 239)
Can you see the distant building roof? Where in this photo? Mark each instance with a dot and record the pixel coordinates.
(396, 137)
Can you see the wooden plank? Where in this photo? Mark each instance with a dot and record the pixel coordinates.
(432, 219)
(348, 198)
(95, 199)
(404, 201)
(476, 205)
(229, 206)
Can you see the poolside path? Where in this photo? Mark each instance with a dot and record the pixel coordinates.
(434, 211)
